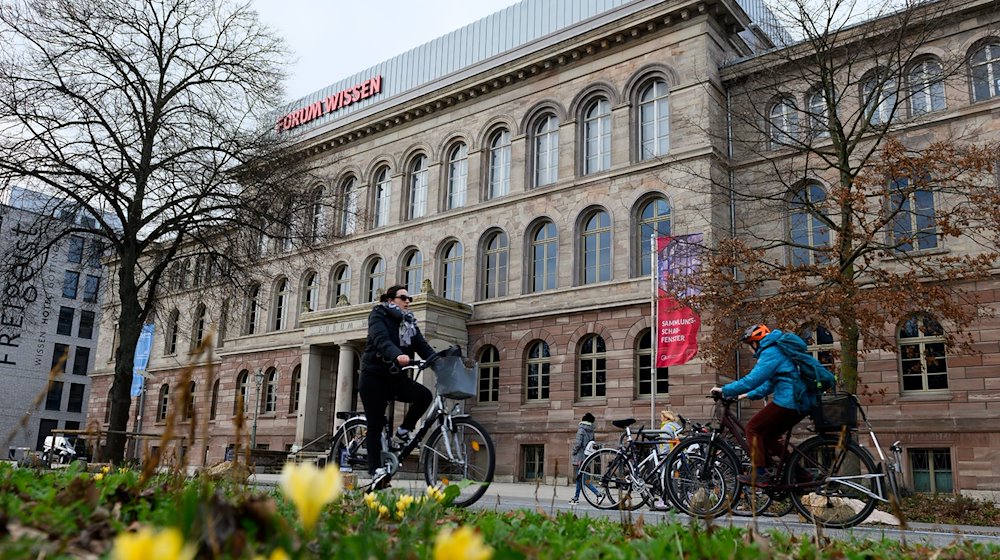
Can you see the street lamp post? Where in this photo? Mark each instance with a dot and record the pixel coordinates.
(258, 378)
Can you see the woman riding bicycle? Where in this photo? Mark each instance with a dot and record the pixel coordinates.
(775, 373)
(393, 337)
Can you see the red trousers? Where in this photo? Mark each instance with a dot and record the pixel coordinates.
(765, 429)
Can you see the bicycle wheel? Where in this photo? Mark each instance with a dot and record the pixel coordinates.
(464, 455)
(348, 448)
(700, 476)
(838, 482)
(600, 485)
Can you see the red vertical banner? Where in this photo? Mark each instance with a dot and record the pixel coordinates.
(677, 324)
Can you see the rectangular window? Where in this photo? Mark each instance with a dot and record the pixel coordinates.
(81, 360)
(75, 397)
(86, 328)
(489, 382)
(931, 470)
(95, 254)
(71, 279)
(90, 287)
(45, 427)
(53, 398)
(58, 351)
(65, 325)
(75, 252)
(646, 370)
(532, 462)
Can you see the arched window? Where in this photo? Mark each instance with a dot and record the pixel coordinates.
(593, 367)
(310, 292)
(107, 411)
(252, 310)
(162, 402)
(170, 340)
(597, 137)
(819, 116)
(348, 207)
(383, 196)
(413, 271)
(879, 95)
(270, 391)
(654, 120)
(341, 283)
(314, 219)
(819, 342)
(926, 83)
(451, 271)
(280, 307)
(546, 145)
(922, 358)
(242, 384)
(595, 248)
(296, 390)
(214, 410)
(912, 216)
(374, 279)
(263, 240)
(985, 66)
(544, 256)
(808, 230)
(200, 326)
(498, 182)
(647, 375)
(199, 271)
(494, 262)
(418, 188)
(783, 123)
(458, 173)
(654, 221)
(536, 382)
(489, 374)
(189, 405)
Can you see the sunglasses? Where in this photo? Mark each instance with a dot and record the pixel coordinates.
(404, 298)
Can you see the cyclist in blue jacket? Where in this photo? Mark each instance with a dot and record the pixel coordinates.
(775, 373)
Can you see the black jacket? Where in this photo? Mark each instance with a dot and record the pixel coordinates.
(383, 346)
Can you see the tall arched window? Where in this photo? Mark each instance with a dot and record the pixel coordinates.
(536, 382)
(451, 271)
(374, 279)
(170, 339)
(808, 230)
(593, 367)
(926, 84)
(546, 145)
(489, 374)
(654, 221)
(879, 95)
(597, 137)
(498, 182)
(383, 195)
(341, 283)
(784, 122)
(200, 326)
(544, 256)
(293, 406)
(654, 120)
(418, 188)
(348, 207)
(648, 376)
(163, 402)
(214, 409)
(252, 310)
(242, 385)
(107, 411)
(270, 391)
(819, 116)
(189, 405)
(280, 307)
(985, 66)
(413, 271)
(595, 245)
(494, 262)
(310, 292)
(922, 358)
(315, 216)
(458, 174)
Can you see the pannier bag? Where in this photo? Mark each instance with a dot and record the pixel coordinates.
(455, 380)
(834, 411)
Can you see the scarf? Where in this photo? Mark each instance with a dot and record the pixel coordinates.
(407, 323)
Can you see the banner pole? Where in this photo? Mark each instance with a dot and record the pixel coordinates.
(655, 332)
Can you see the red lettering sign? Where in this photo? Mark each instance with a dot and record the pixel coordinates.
(343, 98)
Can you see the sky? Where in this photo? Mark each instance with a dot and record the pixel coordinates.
(332, 39)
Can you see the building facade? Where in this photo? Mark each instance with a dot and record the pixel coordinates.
(511, 174)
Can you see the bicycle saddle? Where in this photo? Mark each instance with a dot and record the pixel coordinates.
(623, 423)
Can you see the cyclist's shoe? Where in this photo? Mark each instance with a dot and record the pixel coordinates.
(763, 480)
(400, 439)
(380, 479)
(574, 501)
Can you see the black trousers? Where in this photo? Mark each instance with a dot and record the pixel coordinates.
(377, 390)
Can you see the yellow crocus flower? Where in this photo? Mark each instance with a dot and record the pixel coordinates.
(371, 500)
(148, 544)
(310, 489)
(383, 511)
(276, 554)
(98, 476)
(461, 544)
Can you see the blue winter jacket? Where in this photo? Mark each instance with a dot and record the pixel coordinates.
(774, 372)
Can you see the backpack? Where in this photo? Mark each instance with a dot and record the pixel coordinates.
(815, 377)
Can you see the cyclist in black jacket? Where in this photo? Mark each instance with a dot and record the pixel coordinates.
(393, 337)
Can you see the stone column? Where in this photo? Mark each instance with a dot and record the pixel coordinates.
(345, 383)
(309, 393)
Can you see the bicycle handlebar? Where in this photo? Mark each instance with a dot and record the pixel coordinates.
(717, 397)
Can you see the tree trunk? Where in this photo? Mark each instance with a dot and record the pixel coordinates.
(129, 327)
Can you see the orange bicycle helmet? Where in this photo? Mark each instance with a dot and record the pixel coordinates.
(755, 333)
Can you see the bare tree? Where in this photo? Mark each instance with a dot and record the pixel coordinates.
(845, 183)
(150, 117)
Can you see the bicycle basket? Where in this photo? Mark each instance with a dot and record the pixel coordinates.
(834, 411)
(454, 379)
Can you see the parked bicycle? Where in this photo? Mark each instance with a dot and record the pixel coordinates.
(458, 451)
(829, 478)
